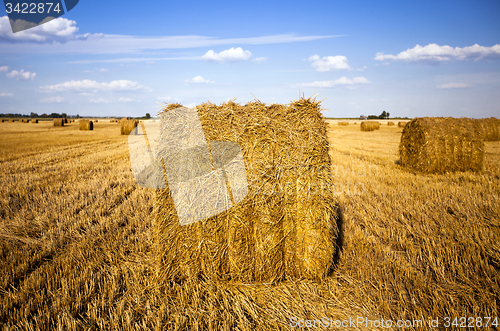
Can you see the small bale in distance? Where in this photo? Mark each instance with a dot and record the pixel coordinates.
(95, 121)
(11, 120)
(126, 126)
(369, 126)
(65, 120)
(390, 124)
(35, 121)
(402, 124)
(58, 122)
(343, 123)
(442, 144)
(85, 125)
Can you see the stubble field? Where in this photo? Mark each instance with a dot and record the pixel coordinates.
(76, 246)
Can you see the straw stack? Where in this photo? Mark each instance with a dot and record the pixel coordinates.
(126, 126)
(34, 121)
(390, 124)
(58, 122)
(491, 128)
(439, 145)
(285, 227)
(369, 126)
(85, 125)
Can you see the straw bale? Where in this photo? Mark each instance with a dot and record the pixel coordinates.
(442, 144)
(390, 124)
(65, 120)
(85, 125)
(402, 124)
(285, 226)
(127, 126)
(58, 122)
(34, 121)
(490, 128)
(343, 123)
(3, 120)
(11, 120)
(369, 126)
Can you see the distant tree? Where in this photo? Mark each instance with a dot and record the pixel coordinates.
(34, 114)
(54, 115)
(383, 115)
(148, 116)
(43, 115)
(372, 117)
(77, 116)
(388, 115)
(64, 115)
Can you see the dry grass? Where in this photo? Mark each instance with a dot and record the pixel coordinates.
(438, 145)
(76, 242)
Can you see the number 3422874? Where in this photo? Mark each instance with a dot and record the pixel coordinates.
(33, 8)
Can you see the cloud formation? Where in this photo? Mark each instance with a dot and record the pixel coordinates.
(229, 55)
(56, 30)
(329, 63)
(4, 68)
(342, 81)
(453, 85)
(52, 100)
(198, 80)
(100, 100)
(436, 53)
(6, 94)
(122, 99)
(21, 75)
(91, 86)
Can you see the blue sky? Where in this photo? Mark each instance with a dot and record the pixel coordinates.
(123, 58)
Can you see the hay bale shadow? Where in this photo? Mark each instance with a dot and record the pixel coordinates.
(339, 242)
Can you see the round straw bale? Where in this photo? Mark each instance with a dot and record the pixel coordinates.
(3, 120)
(34, 121)
(439, 145)
(65, 120)
(58, 122)
(369, 126)
(285, 227)
(402, 124)
(95, 121)
(85, 125)
(343, 123)
(490, 128)
(11, 120)
(127, 126)
(390, 124)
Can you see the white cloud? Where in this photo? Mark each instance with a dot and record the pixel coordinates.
(167, 99)
(6, 95)
(338, 82)
(122, 99)
(198, 80)
(96, 70)
(453, 85)
(123, 44)
(435, 53)
(100, 100)
(229, 55)
(59, 29)
(52, 100)
(4, 68)
(21, 75)
(329, 63)
(259, 59)
(91, 86)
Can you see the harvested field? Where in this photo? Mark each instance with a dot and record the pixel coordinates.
(77, 245)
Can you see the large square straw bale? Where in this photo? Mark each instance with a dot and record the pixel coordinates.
(285, 226)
